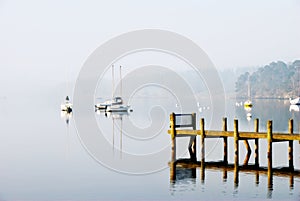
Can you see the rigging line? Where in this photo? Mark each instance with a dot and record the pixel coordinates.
(121, 140)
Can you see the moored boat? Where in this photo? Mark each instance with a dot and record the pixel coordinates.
(295, 101)
(67, 106)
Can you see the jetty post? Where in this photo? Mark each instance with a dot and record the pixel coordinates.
(173, 135)
(256, 145)
(225, 139)
(269, 154)
(290, 148)
(236, 151)
(202, 131)
(194, 144)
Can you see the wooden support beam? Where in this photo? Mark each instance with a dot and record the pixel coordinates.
(172, 165)
(225, 150)
(236, 142)
(192, 148)
(173, 135)
(248, 148)
(202, 127)
(270, 139)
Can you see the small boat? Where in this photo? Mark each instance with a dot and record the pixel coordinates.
(295, 101)
(114, 101)
(67, 106)
(248, 103)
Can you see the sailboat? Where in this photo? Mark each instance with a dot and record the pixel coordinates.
(248, 103)
(295, 101)
(116, 103)
(67, 106)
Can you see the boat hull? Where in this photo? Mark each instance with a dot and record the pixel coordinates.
(118, 108)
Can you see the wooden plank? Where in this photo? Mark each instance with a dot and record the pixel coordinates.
(242, 135)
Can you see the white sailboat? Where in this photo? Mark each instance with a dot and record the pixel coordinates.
(295, 101)
(67, 106)
(248, 103)
(116, 103)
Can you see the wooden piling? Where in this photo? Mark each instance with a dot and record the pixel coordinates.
(236, 176)
(291, 181)
(172, 171)
(225, 139)
(202, 141)
(194, 145)
(290, 148)
(173, 135)
(257, 178)
(224, 175)
(202, 172)
(246, 143)
(236, 143)
(269, 150)
(256, 148)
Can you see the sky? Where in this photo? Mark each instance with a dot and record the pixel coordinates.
(47, 40)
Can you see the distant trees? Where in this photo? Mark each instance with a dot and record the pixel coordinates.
(276, 80)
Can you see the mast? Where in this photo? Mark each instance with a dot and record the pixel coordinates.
(249, 94)
(113, 81)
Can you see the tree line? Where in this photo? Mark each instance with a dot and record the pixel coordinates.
(275, 80)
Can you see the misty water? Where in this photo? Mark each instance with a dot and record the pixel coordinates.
(44, 158)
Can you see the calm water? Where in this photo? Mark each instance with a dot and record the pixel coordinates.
(43, 158)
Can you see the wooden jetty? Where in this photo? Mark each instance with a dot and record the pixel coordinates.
(184, 125)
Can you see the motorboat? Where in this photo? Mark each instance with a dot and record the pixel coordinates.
(114, 101)
(295, 101)
(67, 106)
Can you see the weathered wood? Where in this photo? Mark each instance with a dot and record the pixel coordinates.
(236, 176)
(237, 135)
(242, 134)
(269, 149)
(202, 127)
(172, 170)
(224, 175)
(256, 145)
(290, 148)
(256, 177)
(248, 154)
(236, 143)
(225, 150)
(291, 181)
(173, 135)
(193, 151)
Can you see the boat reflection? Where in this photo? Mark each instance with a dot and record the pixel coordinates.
(66, 116)
(117, 118)
(294, 108)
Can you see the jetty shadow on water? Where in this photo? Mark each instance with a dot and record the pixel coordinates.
(186, 169)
